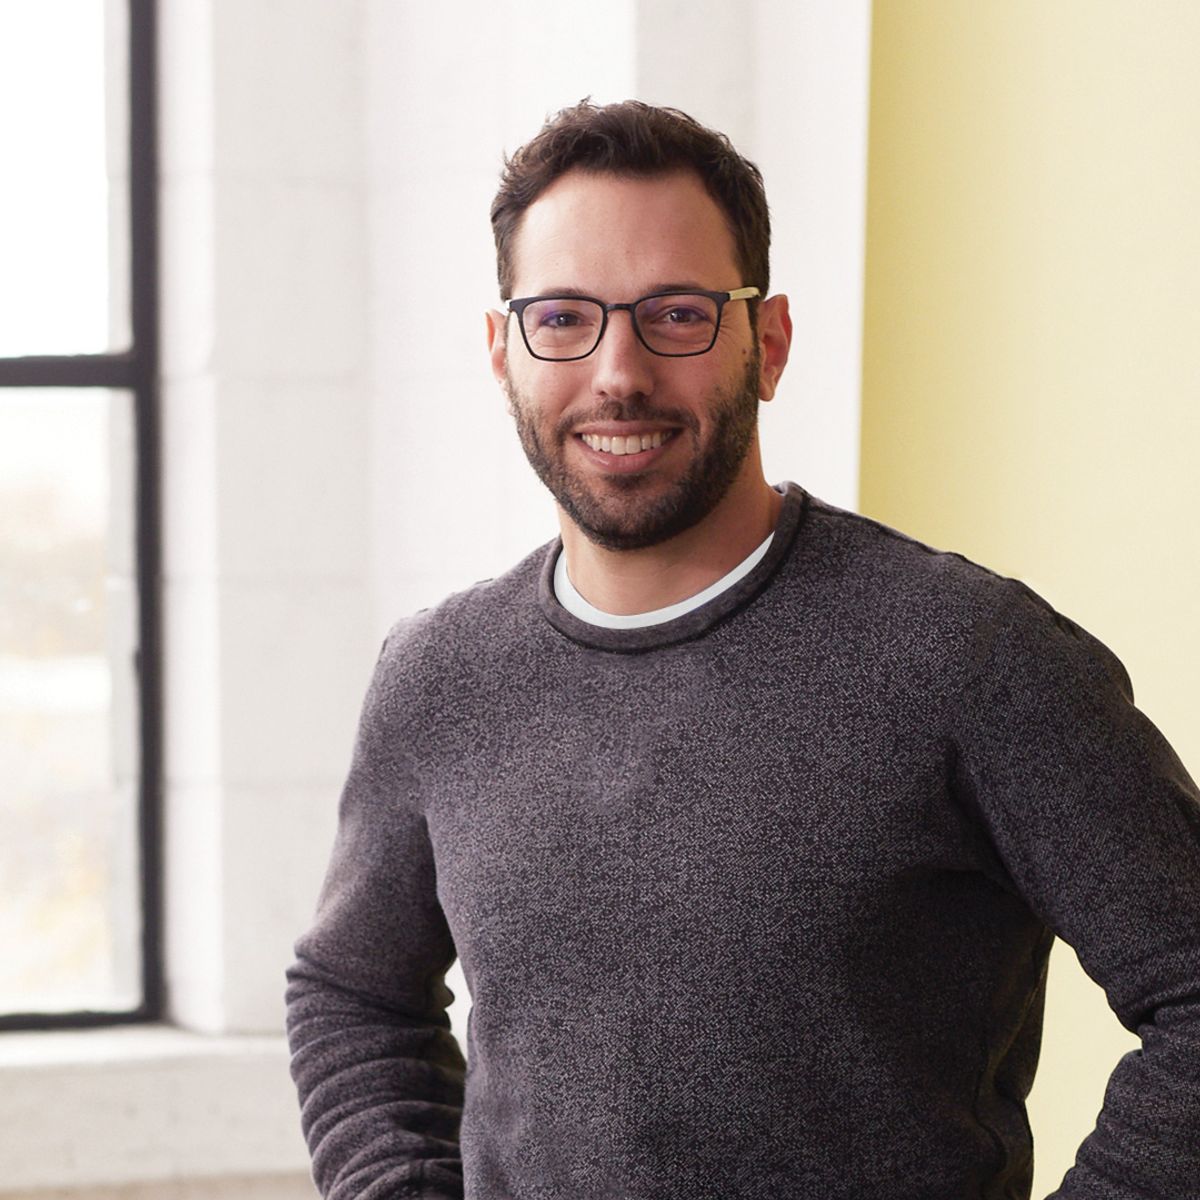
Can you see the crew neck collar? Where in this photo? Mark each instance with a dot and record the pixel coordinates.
(691, 624)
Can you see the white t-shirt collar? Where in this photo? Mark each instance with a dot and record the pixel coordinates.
(577, 606)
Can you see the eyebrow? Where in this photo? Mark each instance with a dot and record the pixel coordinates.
(687, 285)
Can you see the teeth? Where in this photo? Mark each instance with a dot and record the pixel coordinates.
(626, 445)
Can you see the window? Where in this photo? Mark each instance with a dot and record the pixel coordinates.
(79, 612)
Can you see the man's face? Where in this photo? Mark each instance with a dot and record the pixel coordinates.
(619, 238)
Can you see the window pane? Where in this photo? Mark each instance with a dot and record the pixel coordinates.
(64, 260)
(69, 919)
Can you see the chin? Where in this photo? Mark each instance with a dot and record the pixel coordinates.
(641, 521)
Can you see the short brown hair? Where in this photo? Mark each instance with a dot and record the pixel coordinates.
(633, 138)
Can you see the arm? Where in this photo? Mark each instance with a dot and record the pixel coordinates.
(379, 1073)
(1098, 825)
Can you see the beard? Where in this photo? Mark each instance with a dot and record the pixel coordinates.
(629, 512)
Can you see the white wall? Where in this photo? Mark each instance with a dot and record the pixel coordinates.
(334, 456)
(810, 67)
(265, 436)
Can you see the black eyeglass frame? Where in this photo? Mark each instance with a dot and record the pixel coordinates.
(719, 298)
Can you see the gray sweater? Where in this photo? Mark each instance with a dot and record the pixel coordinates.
(752, 904)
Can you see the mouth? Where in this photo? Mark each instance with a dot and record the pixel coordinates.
(624, 444)
(625, 453)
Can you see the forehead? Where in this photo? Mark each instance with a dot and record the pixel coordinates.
(598, 232)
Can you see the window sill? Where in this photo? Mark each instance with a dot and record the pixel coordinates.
(138, 1104)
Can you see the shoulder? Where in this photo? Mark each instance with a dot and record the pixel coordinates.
(884, 562)
(432, 655)
(878, 576)
(940, 600)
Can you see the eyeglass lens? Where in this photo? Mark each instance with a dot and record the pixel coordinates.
(567, 327)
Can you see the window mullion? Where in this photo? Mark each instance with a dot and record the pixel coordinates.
(70, 370)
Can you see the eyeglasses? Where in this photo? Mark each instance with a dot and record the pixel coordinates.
(673, 324)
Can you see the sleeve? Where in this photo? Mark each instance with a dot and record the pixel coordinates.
(1097, 823)
(378, 1070)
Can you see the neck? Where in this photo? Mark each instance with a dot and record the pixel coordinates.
(637, 581)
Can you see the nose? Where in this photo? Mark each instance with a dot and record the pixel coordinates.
(622, 366)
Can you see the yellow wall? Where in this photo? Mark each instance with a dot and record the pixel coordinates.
(1031, 363)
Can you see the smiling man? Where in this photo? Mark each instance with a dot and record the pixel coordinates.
(751, 820)
(641, 418)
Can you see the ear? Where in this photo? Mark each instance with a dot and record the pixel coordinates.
(774, 342)
(497, 326)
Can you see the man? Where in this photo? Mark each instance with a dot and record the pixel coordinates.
(751, 820)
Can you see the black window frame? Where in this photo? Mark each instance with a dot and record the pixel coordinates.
(135, 370)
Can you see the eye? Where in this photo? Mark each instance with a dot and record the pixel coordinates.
(560, 319)
(677, 312)
(561, 314)
(562, 326)
(681, 315)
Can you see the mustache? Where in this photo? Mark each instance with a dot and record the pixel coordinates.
(635, 408)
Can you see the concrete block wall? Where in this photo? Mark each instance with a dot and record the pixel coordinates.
(264, 478)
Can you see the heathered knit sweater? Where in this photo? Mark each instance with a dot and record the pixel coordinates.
(753, 904)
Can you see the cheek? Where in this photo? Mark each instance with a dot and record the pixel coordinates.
(541, 397)
(548, 387)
